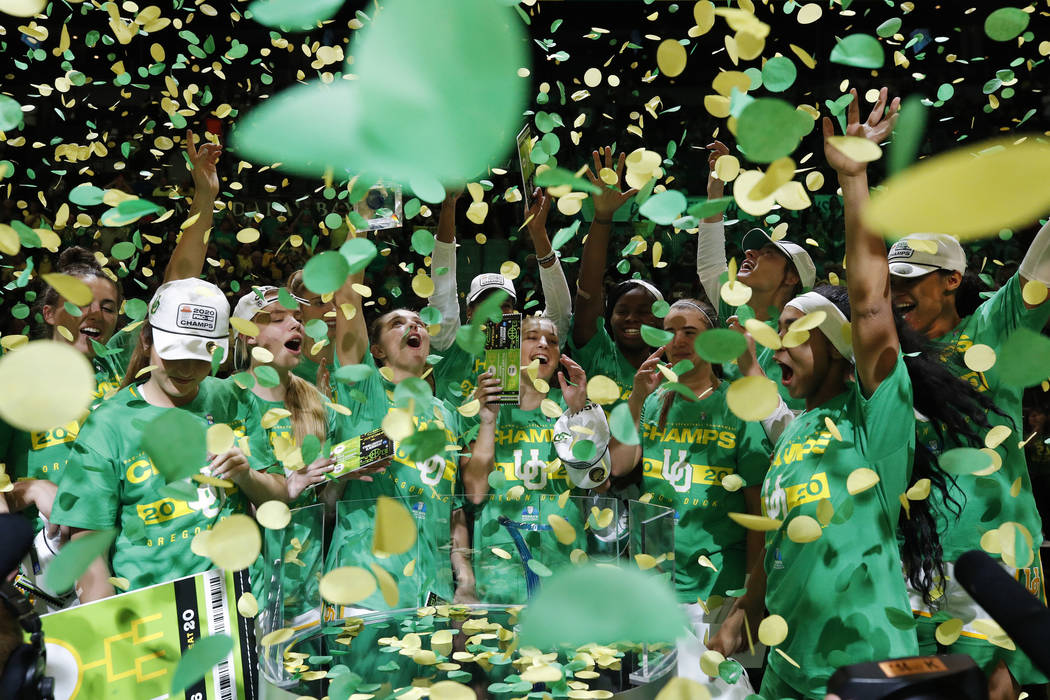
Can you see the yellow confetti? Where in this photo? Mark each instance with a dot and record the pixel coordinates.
(861, 480)
(273, 515)
(247, 605)
(1034, 292)
(773, 630)
(671, 57)
(347, 585)
(752, 398)
(501, 553)
(996, 436)
(45, 384)
(919, 491)
(763, 334)
(809, 13)
(755, 522)
(742, 193)
(551, 409)
(120, 583)
(949, 631)
(602, 390)
(387, 584)
(563, 531)
(244, 327)
(470, 408)
(679, 687)
(234, 543)
(735, 293)
(710, 660)
(219, 438)
(803, 529)
(732, 482)
(994, 185)
(277, 637)
(645, 561)
(834, 429)
(70, 288)
(450, 690)
(979, 357)
(395, 528)
(814, 180)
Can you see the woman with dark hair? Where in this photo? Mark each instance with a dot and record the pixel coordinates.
(774, 271)
(842, 470)
(702, 460)
(606, 333)
(933, 291)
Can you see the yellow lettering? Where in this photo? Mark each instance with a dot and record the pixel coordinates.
(140, 470)
(727, 439)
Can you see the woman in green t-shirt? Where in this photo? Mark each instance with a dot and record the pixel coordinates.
(421, 477)
(522, 461)
(701, 460)
(112, 482)
(36, 460)
(842, 471)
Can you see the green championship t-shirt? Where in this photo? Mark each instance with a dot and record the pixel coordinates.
(601, 356)
(514, 520)
(988, 501)
(684, 461)
(110, 482)
(42, 454)
(731, 371)
(456, 375)
(843, 595)
(425, 488)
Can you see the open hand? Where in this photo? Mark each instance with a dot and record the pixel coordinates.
(203, 161)
(573, 386)
(612, 196)
(876, 128)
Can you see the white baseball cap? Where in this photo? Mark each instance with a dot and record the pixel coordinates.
(190, 318)
(908, 261)
(258, 299)
(756, 239)
(487, 281)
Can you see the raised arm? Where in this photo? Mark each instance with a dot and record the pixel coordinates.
(874, 334)
(711, 241)
(589, 293)
(476, 466)
(445, 297)
(552, 276)
(351, 332)
(188, 258)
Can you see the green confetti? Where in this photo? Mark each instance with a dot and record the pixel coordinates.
(572, 608)
(900, 619)
(779, 74)
(556, 177)
(565, 235)
(1024, 359)
(660, 308)
(622, 425)
(584, 450)
(423, 242)
(196, 661)
(859, 51)
(135, 309)
(450, 131)
(86, 195)
(907, 134)
(75, 557)
(964, 460)
(1006, 23)
(424, 444)
(175, 442)
(539, 568)
(122, 250)
(326, 272)
(770, 128)
(316, 328)
(351, 374)
(889, 27)
(663, 208)
(720, 345)
(267, 376)
(293, 15)
(709, 207)
(358, 252)
(656, 337)
(10, 114)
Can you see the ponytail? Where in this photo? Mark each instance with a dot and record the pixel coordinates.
(304, 402)
(140, 358)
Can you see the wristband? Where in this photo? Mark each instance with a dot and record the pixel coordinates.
(547, 258)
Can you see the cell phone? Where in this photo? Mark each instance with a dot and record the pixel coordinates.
(528, 168)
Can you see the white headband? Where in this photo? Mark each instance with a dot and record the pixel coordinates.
(686, 302)
(648, 286)
(834, 324)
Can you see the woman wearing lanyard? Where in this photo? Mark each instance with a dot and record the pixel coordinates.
(112, 482)
(701, 460)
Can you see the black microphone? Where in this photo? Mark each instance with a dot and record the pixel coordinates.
(1021, 615)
